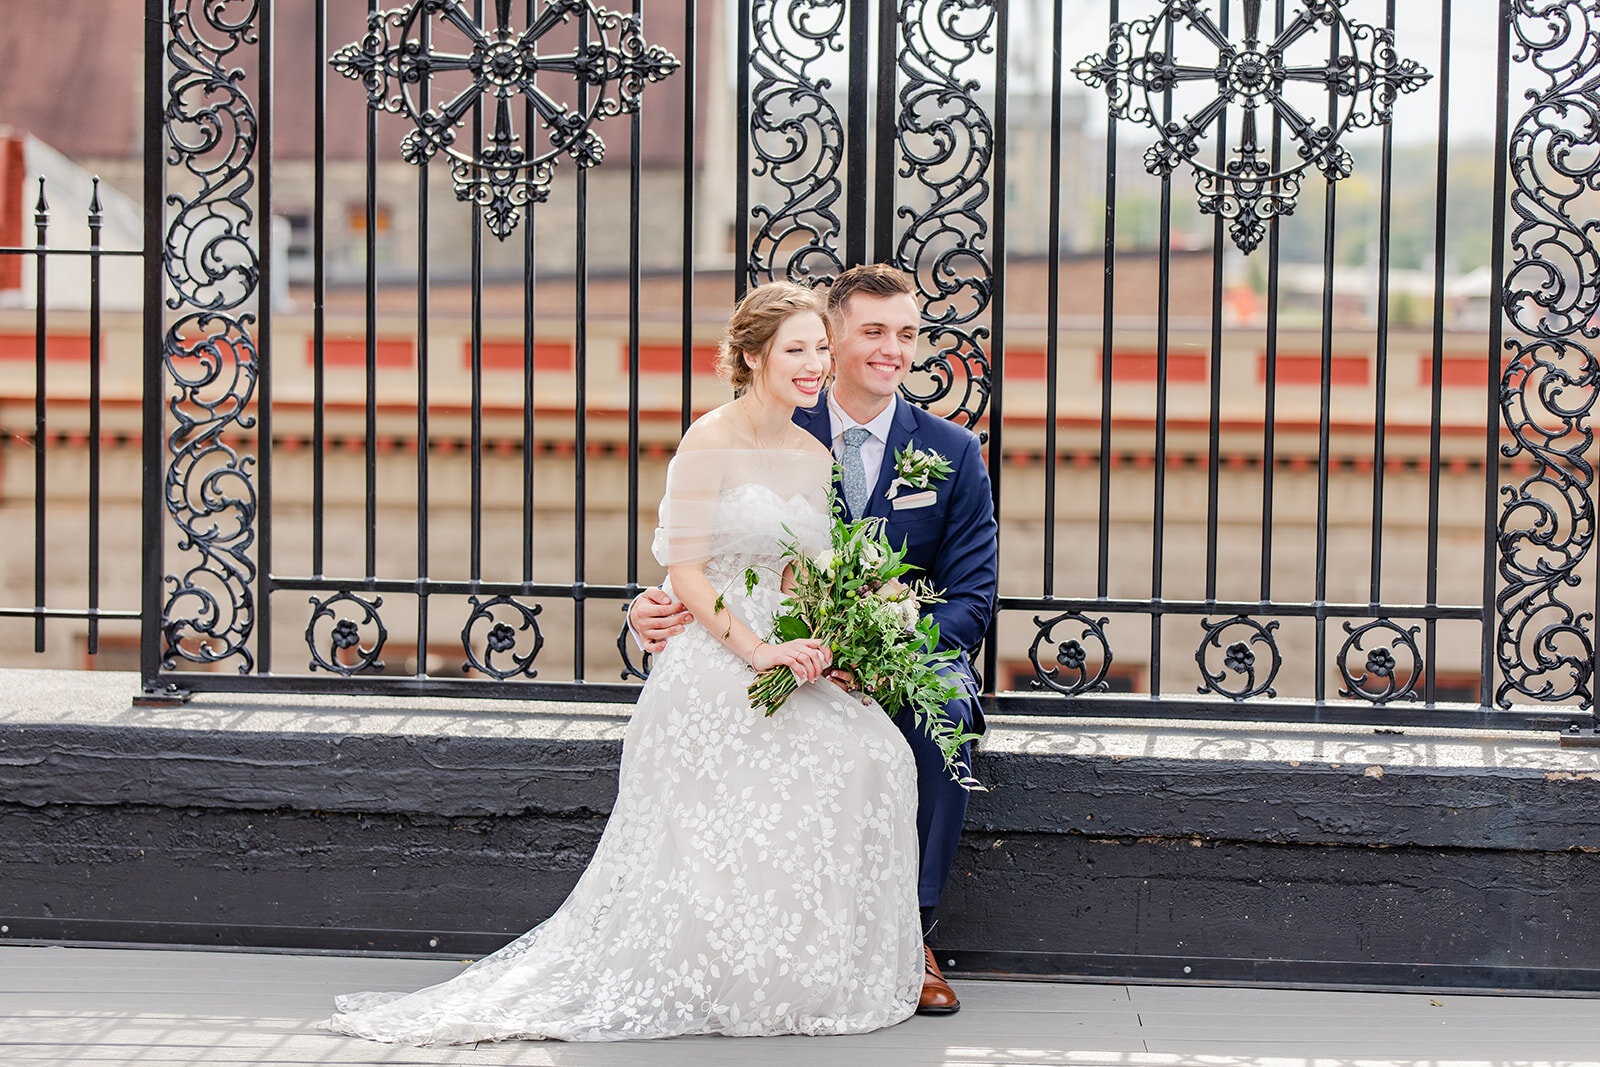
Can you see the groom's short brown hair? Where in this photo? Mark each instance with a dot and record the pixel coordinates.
(873, 279)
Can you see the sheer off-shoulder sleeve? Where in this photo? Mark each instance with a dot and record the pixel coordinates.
(688, 512)
(706, 511)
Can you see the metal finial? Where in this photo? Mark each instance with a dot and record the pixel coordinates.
(41, 209)
(94, 200)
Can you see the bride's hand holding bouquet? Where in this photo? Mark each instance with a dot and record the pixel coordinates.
(849, 602)
(807, 657)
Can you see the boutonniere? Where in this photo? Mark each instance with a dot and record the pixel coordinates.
(916, 469)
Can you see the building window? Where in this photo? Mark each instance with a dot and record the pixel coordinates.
(301, 245)
(1018, 677)
(1453, 687)
(382, 233)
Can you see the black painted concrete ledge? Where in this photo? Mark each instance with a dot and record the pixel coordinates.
(1180, 851)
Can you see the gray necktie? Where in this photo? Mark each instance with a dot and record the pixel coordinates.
(853, 474)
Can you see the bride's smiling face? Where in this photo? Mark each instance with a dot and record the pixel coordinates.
(797, 361)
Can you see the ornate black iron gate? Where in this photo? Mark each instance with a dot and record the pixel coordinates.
(893, 132)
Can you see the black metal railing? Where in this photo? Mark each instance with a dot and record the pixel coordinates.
(1270, 496)
(81, 575)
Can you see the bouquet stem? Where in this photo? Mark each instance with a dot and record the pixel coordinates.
(771, 688)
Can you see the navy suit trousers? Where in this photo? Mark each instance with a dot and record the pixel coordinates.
(941, 803)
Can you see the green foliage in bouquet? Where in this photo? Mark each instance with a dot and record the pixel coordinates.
(851, 598)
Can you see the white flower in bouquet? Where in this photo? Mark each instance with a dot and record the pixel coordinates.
(902, 601)
(851, 597)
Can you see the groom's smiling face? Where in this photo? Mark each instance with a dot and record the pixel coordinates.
(874, 344)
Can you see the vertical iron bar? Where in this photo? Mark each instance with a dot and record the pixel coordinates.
(1436, 409)
(530, 277)
(856, 147)
(1052, 313)
(1213, 469)
(1107, 337)
(319, 280)
(580, 503)
(997, 318)
(1381, 375)
(885, 137)
(1329, 217)
(265, 58)
(1269, 428)
(1491, 444)
(424, 430)
(741, 157)
(1381, 355)
(95, 219)
(1163, 323)
(686, 324)
(371, 456)
(151, 437)
(634, 282)
(475, 459)
(41, 301)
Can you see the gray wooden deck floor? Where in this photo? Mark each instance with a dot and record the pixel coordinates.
(125, 1006)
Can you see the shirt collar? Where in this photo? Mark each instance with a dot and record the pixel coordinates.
(839, 422)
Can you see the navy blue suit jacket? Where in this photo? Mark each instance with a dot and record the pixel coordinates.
(953, 541)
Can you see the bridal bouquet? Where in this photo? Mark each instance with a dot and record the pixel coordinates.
(851, 597)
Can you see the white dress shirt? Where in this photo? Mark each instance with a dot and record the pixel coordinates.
(873, 448)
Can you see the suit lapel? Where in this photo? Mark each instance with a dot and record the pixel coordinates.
(899, 435)
(815, 421)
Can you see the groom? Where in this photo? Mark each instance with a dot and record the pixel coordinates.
(948, 531)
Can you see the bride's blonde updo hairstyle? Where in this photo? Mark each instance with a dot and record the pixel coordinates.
(755, 321)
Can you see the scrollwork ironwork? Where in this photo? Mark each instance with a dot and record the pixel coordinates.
(1238, 658)
(502, 637)
(1362, 77)
(630, 669)
(209, 354)
(1071, 673)
(1379, 680)
(946, 142)
(612, 59)
(798, 140)
(1544, 645)
(344, 634)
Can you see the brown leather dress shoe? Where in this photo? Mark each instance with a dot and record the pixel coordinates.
(937, 996)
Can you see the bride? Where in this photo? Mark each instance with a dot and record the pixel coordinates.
(757, 875)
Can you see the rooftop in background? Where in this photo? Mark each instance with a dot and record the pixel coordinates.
(96, 113)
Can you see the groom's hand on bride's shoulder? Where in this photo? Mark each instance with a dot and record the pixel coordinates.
(656, 615)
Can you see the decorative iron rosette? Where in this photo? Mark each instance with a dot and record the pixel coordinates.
(348, 650)
(1382, 675)
(506, 623)
(1078, 667)
(397, 61)
(1321, 75)
(1238, 658)
(798, 141)
(1545, 643)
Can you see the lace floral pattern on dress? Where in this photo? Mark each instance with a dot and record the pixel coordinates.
(757, 875)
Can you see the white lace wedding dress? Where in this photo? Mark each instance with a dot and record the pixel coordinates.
(757, 875)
